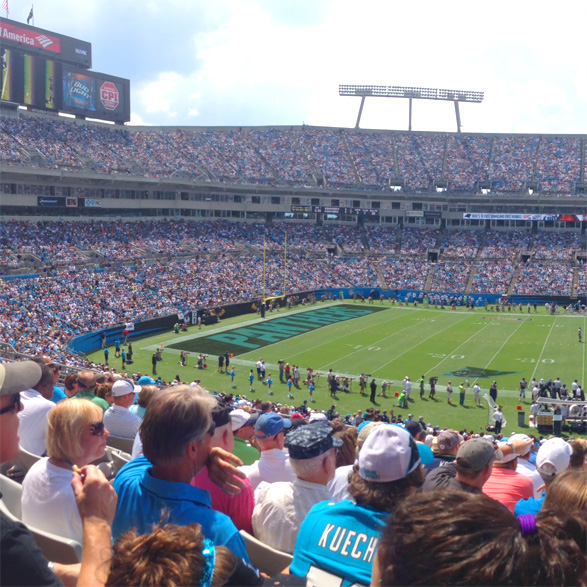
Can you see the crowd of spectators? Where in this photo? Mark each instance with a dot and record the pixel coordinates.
(418, 504)
(461, 243)
(505, 244)
(512, 162)
(544, 278)
(493, 276)
(381, 239)
(416, 241)
(309, 156)
(406, 272)
(560, 246)
(582, 280)
(467, 160)
(82, 276)
(450, 276)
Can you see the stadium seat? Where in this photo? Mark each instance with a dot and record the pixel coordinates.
(268, 560)
(11, 496)
(18, 468)
(119, 459)
(123, 444)
(56, 548)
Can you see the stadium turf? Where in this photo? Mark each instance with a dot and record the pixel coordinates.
(458, 346)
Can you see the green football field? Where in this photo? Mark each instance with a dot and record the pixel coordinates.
(387, 343)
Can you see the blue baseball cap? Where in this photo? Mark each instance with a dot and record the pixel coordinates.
(270, 424)
(146, 380)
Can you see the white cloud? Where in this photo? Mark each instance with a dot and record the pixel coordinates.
(268, 62)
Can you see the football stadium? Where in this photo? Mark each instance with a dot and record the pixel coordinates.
(386, 328)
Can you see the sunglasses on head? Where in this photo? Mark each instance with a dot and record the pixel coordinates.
(14, 406)
(210, 430)
(97, 428)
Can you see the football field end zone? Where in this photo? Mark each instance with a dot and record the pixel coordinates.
(243, 339)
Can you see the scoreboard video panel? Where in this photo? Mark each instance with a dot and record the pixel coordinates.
(46, 84)
(28, 80)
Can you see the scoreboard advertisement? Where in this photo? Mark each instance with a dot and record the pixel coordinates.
(16, 35)
(48, 71)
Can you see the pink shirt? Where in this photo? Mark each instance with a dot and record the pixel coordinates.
(508, 487)
(239, 508)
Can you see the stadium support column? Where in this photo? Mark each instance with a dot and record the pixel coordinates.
(360, 112)
(410, 116)
(458, 115)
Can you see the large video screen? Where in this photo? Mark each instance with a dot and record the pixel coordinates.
(46, 84)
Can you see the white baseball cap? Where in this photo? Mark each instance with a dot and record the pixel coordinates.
(554, 457)
(390, 453)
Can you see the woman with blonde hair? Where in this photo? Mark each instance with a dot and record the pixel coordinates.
(76, 437)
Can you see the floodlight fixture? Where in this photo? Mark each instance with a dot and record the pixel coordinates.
(411, 93)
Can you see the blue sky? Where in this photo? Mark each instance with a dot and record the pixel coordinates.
(279, 62)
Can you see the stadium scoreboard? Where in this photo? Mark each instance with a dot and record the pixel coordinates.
(48, 71)
(335, 210)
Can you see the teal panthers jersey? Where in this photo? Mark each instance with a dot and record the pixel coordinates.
(338, 539)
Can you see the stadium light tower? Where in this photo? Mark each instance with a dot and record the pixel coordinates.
(411, 93)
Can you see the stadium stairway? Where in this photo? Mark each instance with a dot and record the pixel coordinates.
(429, 277)
(380, 276)
(471, 279)
(575, 283)
(514, 280)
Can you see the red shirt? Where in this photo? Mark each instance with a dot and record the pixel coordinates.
(508, 487)
(239, 508)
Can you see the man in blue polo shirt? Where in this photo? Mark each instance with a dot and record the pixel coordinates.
(176, 432)
(341, 539)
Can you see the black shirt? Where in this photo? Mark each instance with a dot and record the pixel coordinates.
(21, 560)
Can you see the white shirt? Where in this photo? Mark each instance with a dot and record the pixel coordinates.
(137, 447)
(120, 422)
(339, 486)
(48, 501)
(281, 509)
(273, 466)
(33, 423)
(527, 469)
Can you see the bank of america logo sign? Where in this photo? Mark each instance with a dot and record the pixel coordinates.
(45, 41)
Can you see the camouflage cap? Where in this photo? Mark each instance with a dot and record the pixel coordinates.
(311, 441)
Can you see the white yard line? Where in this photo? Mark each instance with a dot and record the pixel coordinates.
(457, 348)
(543, 348)
(436, 333)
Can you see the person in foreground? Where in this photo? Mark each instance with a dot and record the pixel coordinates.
(76, 437)
(176, 555)
(457, 538)
(21, 560)
(339, 540)
(176, 434)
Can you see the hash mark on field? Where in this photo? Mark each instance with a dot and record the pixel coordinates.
(544, 346)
